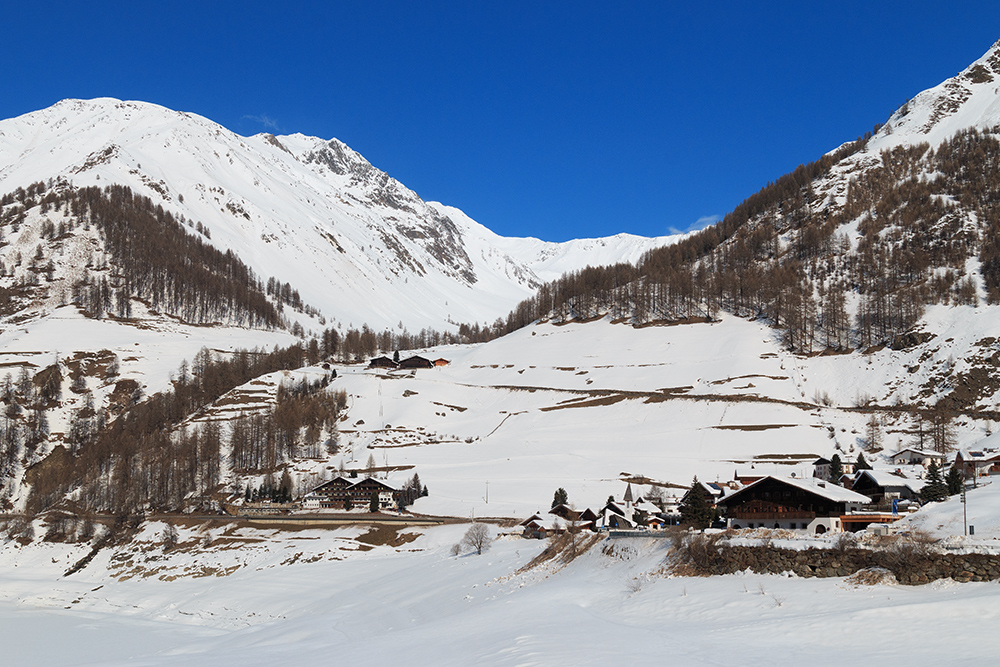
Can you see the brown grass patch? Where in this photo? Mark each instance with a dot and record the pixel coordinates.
(751, 427)
(386, 536)
(591, 403)
(459, 408)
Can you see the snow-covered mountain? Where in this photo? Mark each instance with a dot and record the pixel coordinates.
(526, 407)
(970, 99)
(356, 243)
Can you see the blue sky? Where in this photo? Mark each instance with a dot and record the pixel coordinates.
(550, 119)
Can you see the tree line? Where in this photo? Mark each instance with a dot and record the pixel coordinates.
(781, 255)
(143, 458)
(149, 255)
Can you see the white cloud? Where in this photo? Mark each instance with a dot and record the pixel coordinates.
(264, 120)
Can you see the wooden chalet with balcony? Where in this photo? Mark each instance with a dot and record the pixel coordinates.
(345, 494)
(807, 504)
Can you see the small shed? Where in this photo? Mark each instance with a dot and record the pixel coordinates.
(441, 362)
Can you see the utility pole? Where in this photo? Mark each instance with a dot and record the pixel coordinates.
(965, 511)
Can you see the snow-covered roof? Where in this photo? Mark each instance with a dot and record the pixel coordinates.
(978, 455)
(647, 507)
(815, 486)
(919, 452)
(885, 478)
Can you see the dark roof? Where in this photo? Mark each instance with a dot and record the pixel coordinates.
(416, 362)
(826, 490)
(341, 483)
(335, 483)
(369, 481)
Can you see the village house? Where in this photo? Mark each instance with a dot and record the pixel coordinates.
(883, 487)
(823, 468)
(807, 504)
(539, 526)
(416, 362)
(630, 513)
(975, 463)
(382, 362)
(557, 520)
(714, 491)
(911, 456)
(577, 518)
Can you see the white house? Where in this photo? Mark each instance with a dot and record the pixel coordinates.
(912, 456)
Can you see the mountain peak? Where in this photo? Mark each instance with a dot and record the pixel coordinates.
(359, 245)
(970, 99)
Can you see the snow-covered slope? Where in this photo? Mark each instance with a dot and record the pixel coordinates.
(356, 243)
(261, 597)
(970, 99)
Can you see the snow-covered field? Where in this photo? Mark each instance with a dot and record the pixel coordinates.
(321, 596)
(583, 406)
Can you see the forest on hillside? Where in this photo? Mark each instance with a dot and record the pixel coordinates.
(146, 453)
(787, 255)
(145, 253)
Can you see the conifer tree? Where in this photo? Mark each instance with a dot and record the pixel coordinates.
(836, 469)
(935, 489)
(955, 480)
(861, 464)
(695, 509)
(560, 497)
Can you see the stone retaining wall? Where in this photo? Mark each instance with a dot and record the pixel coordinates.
(910, 564)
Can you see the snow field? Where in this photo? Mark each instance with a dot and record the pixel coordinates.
(419, 601)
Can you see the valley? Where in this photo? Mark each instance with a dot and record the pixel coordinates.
(189, 321)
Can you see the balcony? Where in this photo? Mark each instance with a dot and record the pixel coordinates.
(760, 515)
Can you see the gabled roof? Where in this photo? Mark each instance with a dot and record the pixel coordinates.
(571, 514)
(615, 508)
(343, 483)
(646, 506)
(828, 490)
(714, 488)
(822, 462)
(978, 455)
(919, 452)
(536, 517)
(887, 479)
(416, 361)
(541, 524)
(368, 481)
(339, 481)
